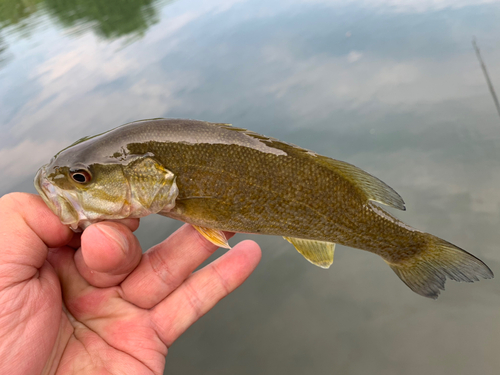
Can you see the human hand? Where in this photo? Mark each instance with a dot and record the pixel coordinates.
(92, 302)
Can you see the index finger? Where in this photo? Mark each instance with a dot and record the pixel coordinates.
(165, 266)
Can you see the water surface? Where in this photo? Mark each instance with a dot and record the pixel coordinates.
(392, 87)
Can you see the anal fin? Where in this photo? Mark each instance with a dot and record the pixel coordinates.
(319, 253)
(215, 236)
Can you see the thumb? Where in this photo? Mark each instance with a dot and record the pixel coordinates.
(27, 229)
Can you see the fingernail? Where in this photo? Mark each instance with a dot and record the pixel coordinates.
(115, 236)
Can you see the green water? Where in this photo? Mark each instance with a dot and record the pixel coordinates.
(392, 87)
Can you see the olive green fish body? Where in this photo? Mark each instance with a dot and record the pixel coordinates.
(244, 190)
(219, 177)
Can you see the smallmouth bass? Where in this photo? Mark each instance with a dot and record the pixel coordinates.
(221, 178)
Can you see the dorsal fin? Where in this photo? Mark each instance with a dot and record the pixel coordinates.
(371, 187)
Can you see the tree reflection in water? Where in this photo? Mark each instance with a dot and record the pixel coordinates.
(109, 19)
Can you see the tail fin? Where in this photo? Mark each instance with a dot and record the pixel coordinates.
(426, 273)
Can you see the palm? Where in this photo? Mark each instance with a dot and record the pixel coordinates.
(115, 338)
(105, 308)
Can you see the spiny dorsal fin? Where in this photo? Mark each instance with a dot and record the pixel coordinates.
(215, 236)
(318, 253)
(374, 189)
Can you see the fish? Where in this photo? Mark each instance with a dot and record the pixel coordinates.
(218, 178)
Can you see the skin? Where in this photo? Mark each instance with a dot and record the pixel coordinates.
(92, 302)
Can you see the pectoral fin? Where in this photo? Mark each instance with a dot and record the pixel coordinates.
(215, 236)
(318, 253)
(152, 186)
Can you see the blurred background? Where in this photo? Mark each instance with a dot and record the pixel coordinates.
(394, 87)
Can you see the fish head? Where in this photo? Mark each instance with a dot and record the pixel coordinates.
(81, 194)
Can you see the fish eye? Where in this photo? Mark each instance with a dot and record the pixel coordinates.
(81, 176)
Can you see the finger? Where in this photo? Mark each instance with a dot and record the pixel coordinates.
(26, 218)
(75, 242)
(108, 254)
(165, 266)
(201, 291)
(131, 224)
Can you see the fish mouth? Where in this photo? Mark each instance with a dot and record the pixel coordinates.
(47, 191)
(56, 199)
